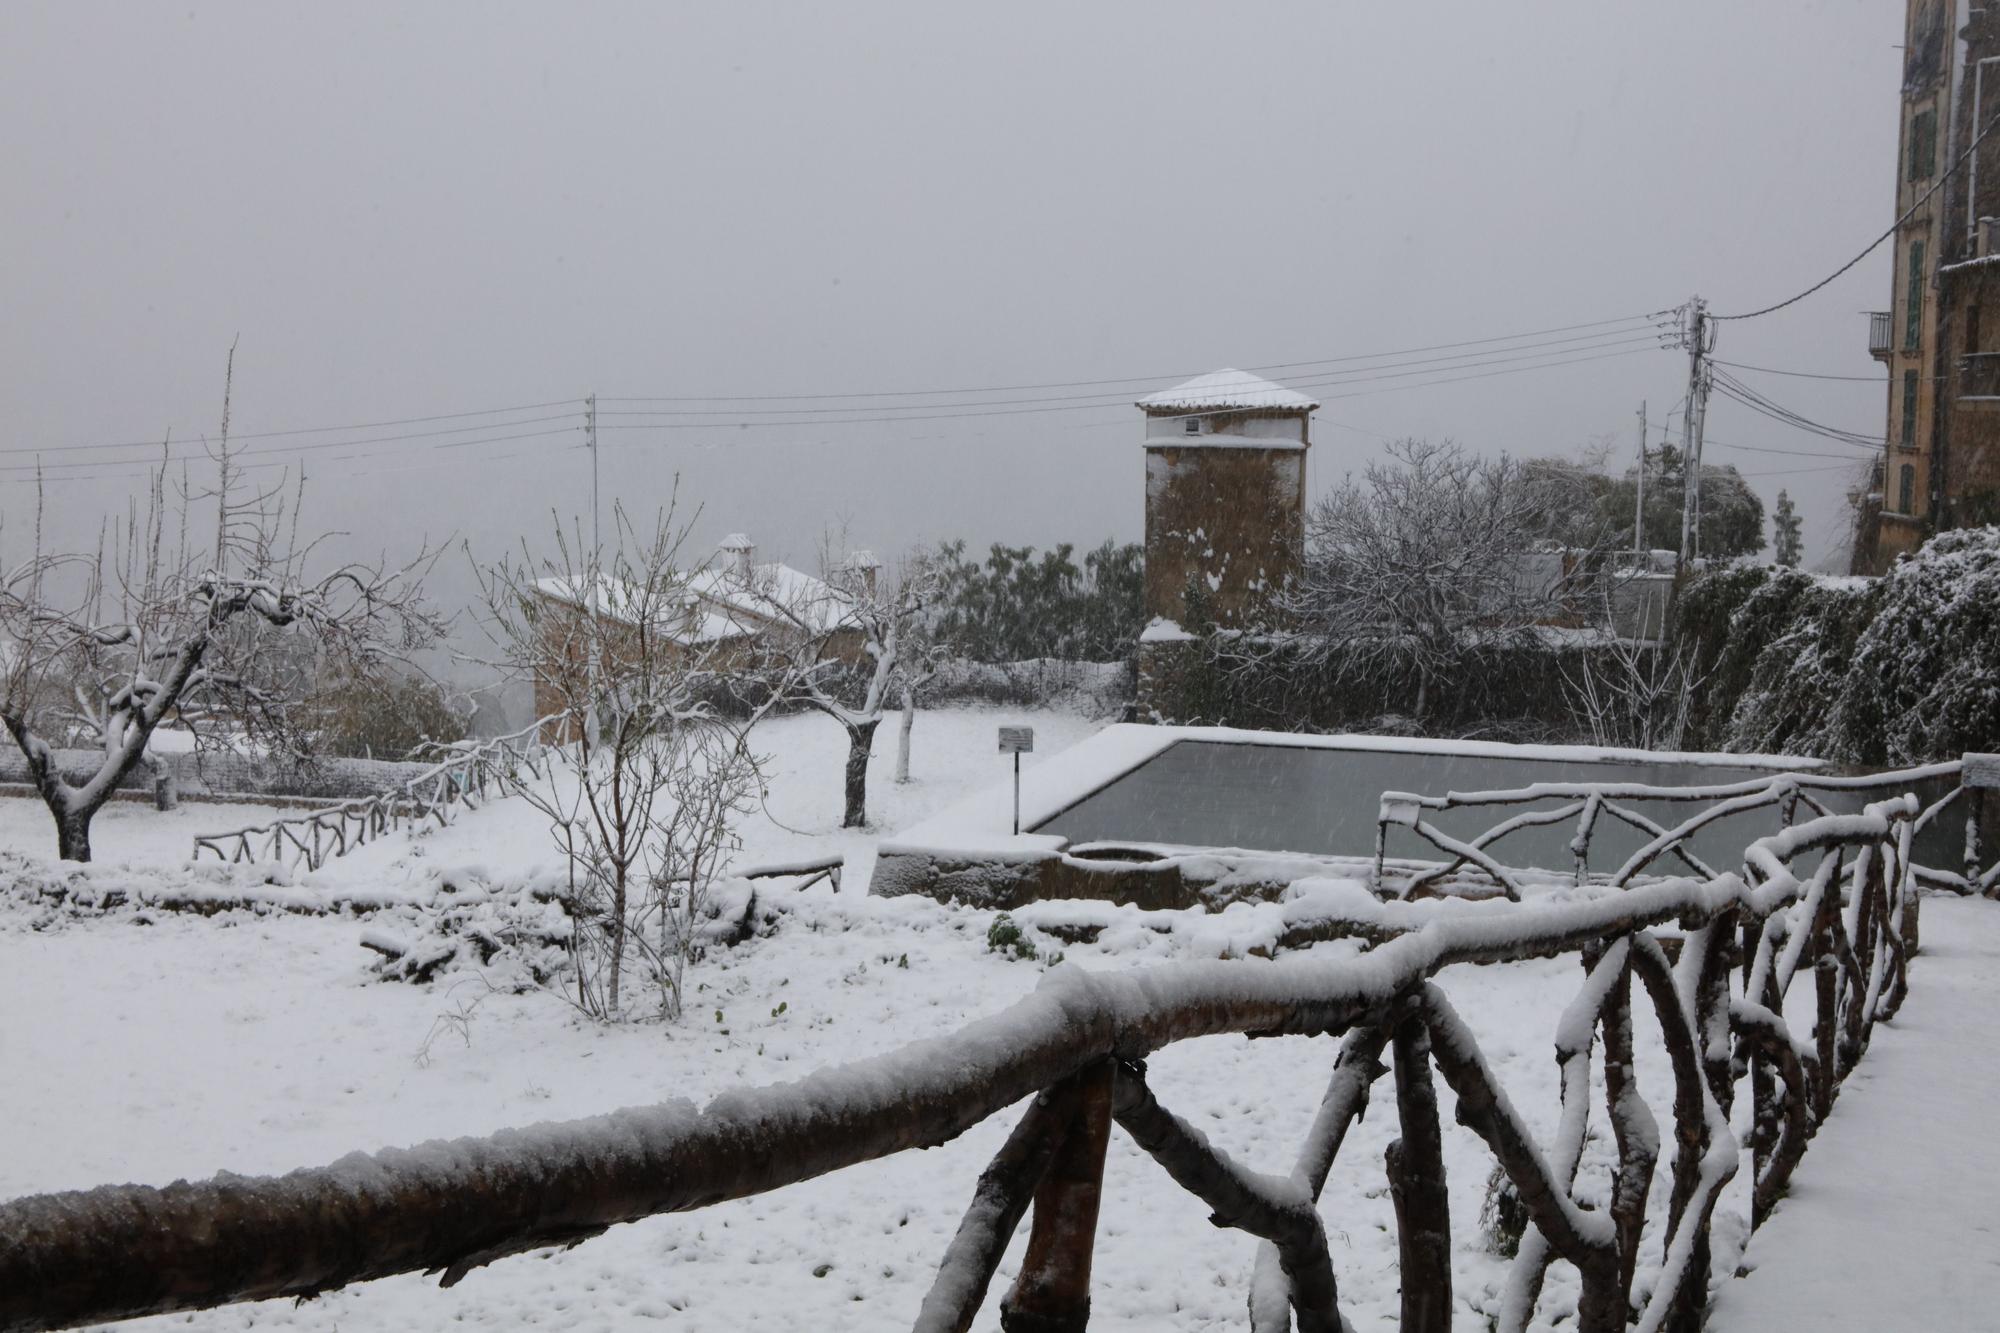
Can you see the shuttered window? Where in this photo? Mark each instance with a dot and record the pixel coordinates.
(1913, 298)
(1909, 409)
(1906, 490)
(1923, 145)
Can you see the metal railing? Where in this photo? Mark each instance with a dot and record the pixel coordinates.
(464, 779)
(1077, 1047)
(1881, 339)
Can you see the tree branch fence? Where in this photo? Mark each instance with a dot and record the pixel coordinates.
(463, 780)
(1833, 897)
(1592, 805)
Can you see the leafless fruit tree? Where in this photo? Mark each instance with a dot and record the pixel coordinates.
(650, 774)
(822, 633)
(228, 639)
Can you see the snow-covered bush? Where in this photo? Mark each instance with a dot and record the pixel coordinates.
(1925, 681)
(1900, 670)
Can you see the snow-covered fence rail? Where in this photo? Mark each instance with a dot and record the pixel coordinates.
(1077, 1047)
(1593, 804)
(467, 776)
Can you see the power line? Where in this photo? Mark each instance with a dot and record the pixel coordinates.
(128, 469)
(302, 430)
(1801, 374)
(289, 449)
(1758, 401)
(1909, 213)
(1794, 453)
(1125, 379)
(1390, 370)
(1800, 471)
(738, 425)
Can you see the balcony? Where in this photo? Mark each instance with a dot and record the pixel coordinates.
(1879, 341)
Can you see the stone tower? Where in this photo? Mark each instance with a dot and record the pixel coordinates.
(1225, 497)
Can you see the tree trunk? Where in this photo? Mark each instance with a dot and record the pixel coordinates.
(73, 833)
(860, 744)
(903, 737)
(617, 943)
(1417, 1188)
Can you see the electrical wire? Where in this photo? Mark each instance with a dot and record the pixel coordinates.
(1895, 226)
(288, 449)
(190, 441)
(1126, 379)
(126, 470)
(1801, 374)
(1469, 359)
(738, 425)
(1731, 387)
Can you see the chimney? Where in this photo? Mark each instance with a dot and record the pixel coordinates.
(862, 567)
(739, 555)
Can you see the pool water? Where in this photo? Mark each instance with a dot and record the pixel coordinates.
(1325, 801)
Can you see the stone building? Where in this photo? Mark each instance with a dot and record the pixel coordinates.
(1225, 509)
(723, 616)
(1941, 459)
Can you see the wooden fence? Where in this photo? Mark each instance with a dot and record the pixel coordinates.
(1833, 898)
(1591, 804)
(464, 779)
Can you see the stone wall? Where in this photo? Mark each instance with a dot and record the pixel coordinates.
(1228, 519)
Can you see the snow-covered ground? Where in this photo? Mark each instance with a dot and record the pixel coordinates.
(149, 1046)
(1893, 1221)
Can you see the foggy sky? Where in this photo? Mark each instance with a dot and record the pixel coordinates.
(408, 211)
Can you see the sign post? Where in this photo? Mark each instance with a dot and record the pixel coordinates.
(1017, 741)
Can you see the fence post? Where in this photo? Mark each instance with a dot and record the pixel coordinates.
(1052, 1294)
(1417, 1187)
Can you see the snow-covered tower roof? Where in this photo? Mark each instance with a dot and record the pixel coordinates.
(1227, 391)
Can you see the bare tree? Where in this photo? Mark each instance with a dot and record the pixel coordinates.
(1632, 693)
(226, 639)
(1422, 560)
(849, 620)
(649, 776)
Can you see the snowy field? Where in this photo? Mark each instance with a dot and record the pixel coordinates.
(150, 1046)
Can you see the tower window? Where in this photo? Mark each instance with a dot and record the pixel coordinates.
(1906, 490)
(1923, 145)
(1909, 409)
(1913, 298)
(1192, 425)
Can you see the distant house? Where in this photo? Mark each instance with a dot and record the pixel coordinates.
(728, 613)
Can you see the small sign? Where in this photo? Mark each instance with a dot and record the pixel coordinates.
(1017, 740)
(1981, 771)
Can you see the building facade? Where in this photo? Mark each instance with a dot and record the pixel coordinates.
(1940, 466)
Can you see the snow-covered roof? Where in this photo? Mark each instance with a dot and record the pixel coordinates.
(774, 592)
(718, 602)
(694, 621)
(1224, 390)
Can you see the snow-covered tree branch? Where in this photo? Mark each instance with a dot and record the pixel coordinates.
(226, 640)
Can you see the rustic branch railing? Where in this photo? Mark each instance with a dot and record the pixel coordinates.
(1075, 1049)
(464, 779)
(1591, 804)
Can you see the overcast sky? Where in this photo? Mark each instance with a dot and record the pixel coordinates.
(408, 211)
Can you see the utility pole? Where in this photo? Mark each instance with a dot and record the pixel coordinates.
(593, 589)
(1698, 336)
(590, 442)
(1639, 503)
